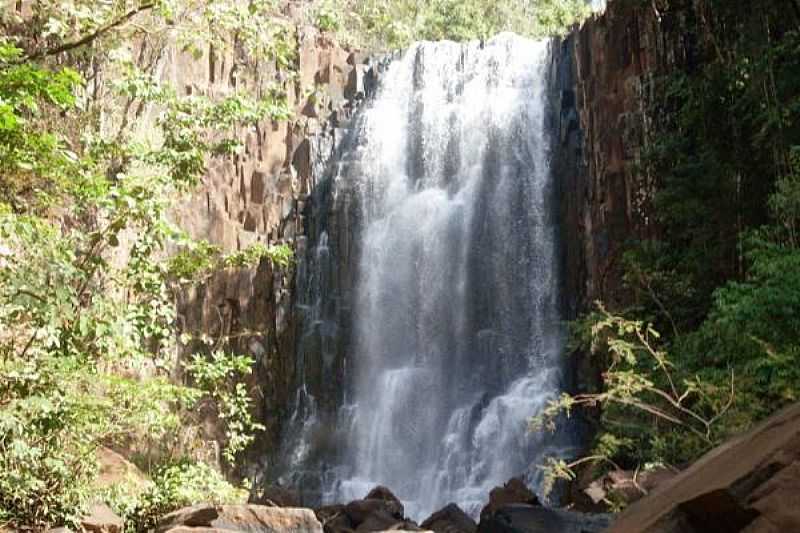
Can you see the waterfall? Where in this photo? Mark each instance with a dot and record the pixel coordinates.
(456, 338)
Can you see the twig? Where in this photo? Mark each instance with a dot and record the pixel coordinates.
(87, 38)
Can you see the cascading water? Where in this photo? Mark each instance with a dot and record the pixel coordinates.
(457, 339)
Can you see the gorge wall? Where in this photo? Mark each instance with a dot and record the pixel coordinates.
(259, 197)
(610, 112)
(283, 189)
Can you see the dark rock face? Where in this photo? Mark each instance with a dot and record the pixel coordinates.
(520, 518)
(334, 519)
(609, 118)
(382, 493)
(358, 511)
(513, 492)
(450, 519)
(750, 483)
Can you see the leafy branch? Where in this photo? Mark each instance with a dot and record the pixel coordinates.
(639, 379)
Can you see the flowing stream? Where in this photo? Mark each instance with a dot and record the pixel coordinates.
(456, 339)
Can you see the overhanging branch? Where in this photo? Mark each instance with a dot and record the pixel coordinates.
(65, 47)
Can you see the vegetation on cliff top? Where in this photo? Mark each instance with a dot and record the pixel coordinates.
(387, 24)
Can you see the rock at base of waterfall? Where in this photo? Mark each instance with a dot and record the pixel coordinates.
(381, 521)
(334, 519)
(382, 493)
(276, 496)
(205, 518)
(450, 519)
(379, 511)
(359, 510)
(520, 518)
(514, 491)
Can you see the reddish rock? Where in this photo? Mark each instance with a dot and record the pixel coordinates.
(101, 519)
(751, 484)
(247, 518)
(115, 469)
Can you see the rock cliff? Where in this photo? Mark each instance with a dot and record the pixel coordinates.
(611, 111)
(261, 196)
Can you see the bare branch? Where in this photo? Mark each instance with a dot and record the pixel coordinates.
(86, 39)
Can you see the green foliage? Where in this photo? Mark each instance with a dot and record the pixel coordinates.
(29, 94)
(382, 24)
(172, 487)
(199, 259)
(260, 29)
(87, 344)
(280, 255)
(651, 409)
(725, 123)
(327, 17)
(219, 377)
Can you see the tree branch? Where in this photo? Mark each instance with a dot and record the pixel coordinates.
(65, 47)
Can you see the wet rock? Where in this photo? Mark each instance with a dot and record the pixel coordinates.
(101, 519)
(246, 518)
(520, 518)
(382, 493)
(750, 484)
(381, 521)
(450, 519)
(334, 519)
(358, 511)
(514, 491)
(276, 496)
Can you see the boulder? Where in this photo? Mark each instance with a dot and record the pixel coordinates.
(115, 469)
(380, 521)
(382, 493)
(101, 519)
(187, 529)
(450, 519)
(521, 518)
(275, 496)
(359, 510)
(244, 518)
(750, 484)
(334, 519)
(514, 491)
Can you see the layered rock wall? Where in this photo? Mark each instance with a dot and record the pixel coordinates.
(260, 197)
(610, 69)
